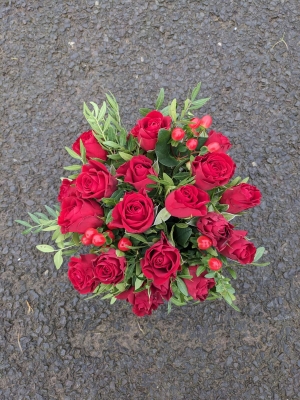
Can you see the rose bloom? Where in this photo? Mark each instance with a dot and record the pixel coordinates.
(218, 137)
(241, 197)
(187, 201)
(67, 189)
(161, 261)
(136, 170)
(92, 146)
(109, 268)
(164, 290)
(77, 215)
(198, 287)
(146, 129)
(81, 273)
(142, 302)
(216, 227)
(239, 249)
(212, 169)
(95, 181)
(135, 212)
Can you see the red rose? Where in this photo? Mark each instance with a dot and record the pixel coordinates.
(198, 287)
(146, 129)
(95, 181)
(187, 201)
(136, 170)
(77, 215)
(109, 268)
(218, 137)
(239, 249)
(212, 169)
(216, 227)
(81, 273)
(135, 213)
(92, 146)
(67, 188)
(143, 303)
(241, 197)
(164, 290)
(161, 261)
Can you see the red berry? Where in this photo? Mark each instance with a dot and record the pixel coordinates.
(191, 144)
(204, 242)
(195, 123)
(89, 233)
(206, 121)
(110, 234)
(85, 241)
(215, 264)
(177, 134)
(124, 243)
(214, 146)
(98, 240)
(110, 225)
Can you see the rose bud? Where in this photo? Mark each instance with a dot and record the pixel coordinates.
(195, 123)
(177, 134)
(206, 121)
(191, 144)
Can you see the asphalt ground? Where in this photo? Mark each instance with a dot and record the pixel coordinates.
(57, 54)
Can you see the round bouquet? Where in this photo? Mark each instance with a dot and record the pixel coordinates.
(151, 209)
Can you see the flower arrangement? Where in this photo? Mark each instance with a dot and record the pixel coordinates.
(153, 207)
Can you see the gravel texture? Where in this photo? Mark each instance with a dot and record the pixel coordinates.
(57, 54)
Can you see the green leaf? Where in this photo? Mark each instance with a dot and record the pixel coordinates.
(182, 235)
(232, 272)
(51, 212)
(168, 179)
(182, 286)
(165, 111)
(138, 283)
(120, 253)
(72, 167)
(109, 143)
(82, 151)
(259, 253)
(195, 91)
(162, 149)
(160, 99)
(162, 216)
(234, 182)
(23, 222)
(102, 111)
(199, 103)
(140, 238)
(172, 110)
(169, 307)
(125, 156)
(50, 228)
(26, 231)
(229, 216)
(212, 251)
(75, 238)
(176, 301)
(181, 225)
(210, 275)
(72, 153)
(34, 218)
(200, 269)
(203, 150)
(245, 180)
(45, 248)
(58, 259)
(260, 265)
(144, 111)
